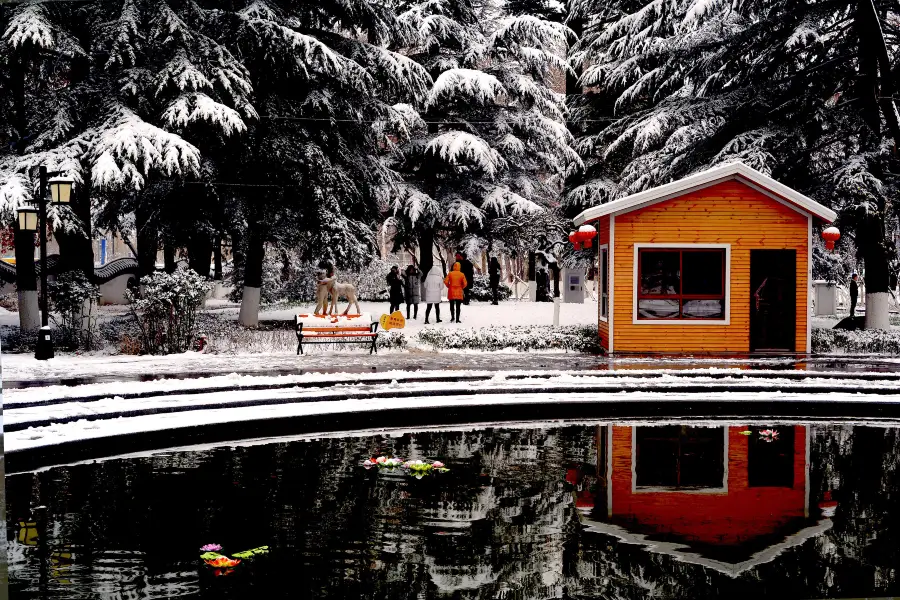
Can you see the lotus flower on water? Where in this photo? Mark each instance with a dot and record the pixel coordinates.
(211, 548)
(418, 468)
(223, 562)
(768, 435)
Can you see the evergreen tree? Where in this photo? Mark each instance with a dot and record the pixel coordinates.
(800, 91)
(483, 157)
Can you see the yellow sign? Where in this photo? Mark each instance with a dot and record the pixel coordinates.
(394, 320)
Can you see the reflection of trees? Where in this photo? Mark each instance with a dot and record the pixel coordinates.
(501, 523)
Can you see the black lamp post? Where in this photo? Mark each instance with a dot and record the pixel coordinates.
(31, 219)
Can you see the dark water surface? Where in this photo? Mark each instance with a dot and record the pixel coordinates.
(581, 511)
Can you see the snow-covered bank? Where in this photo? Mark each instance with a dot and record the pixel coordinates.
(333, 403)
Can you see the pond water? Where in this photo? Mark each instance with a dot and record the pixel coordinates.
(684, 510)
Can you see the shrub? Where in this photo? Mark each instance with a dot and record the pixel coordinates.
(580, 338)
(166, 311)
(827, 341)
(481, 290)
(73, 298)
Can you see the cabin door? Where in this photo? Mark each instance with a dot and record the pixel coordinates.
(773, 300)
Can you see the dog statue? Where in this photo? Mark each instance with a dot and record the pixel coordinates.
(348, 291)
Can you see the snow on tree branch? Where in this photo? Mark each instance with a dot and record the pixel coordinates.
(192, 108)
(503, 201)
(466, 85)
(129, 148)
(458, 147)
(29, 25)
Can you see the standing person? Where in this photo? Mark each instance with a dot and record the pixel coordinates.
(854, 294)
(494, 273)
(434, 287)
(456, 284)
(412, 289)
(468, 270)
(395, 289)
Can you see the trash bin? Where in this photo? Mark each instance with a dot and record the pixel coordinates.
(573, 286)
(826, 297)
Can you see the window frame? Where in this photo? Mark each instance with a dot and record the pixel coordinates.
(723, 489)
(675, 247)
(603, 282)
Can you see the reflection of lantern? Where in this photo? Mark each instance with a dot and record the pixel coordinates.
(573, 237)
(28, 533)
(831, 235)
(585, 234)
(828, 506)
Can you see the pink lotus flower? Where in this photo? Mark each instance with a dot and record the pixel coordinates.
(211, 548)
(381, 459)
(769, 435)
(369, 463)
(437, 464)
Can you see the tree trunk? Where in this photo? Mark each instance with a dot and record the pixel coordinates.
(200, 254)
(76, 250)
(26, 282)
(147, 242)
(426, 251)
(253, 269)
(286, 269)
(169, 256)
(238, 258)
(217, 258)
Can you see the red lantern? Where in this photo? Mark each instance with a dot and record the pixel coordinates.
(585, 234)
(573, 237)
(831, 235)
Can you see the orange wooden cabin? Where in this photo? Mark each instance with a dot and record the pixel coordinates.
(718, 262)
(708, 495)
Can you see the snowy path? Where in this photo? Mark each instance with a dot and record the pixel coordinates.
(21, 370)
(42, 423)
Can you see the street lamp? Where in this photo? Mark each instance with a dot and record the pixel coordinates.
(30, 219)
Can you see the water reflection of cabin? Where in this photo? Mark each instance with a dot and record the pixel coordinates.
(709, 495)
(716, 262)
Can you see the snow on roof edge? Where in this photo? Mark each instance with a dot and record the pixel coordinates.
(706, 178)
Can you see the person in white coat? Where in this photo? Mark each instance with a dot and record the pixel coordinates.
(433, 288)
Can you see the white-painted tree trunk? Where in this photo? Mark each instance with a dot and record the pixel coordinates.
(29, 314)
(877, 313)
(249, 316)
(86, 315)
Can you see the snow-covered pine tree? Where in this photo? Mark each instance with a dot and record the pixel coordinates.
(322, 74)
(124, 75)
(484, 156)
(801, 91)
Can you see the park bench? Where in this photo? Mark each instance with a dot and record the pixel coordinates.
(343, 329)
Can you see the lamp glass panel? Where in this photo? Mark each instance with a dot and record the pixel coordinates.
(28, 220)
(60, 191)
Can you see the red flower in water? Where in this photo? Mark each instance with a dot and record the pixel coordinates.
(223, 562)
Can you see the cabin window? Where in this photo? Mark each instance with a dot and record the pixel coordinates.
(676, 283)
(604, 283)
(679, 458)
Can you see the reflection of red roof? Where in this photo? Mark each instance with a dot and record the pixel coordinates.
(732, 516)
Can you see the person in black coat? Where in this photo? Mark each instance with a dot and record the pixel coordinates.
(854, 294)
(494, 274)
(467, 269)
(395, 289)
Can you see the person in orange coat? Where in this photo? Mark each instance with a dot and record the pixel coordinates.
(456, 283)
